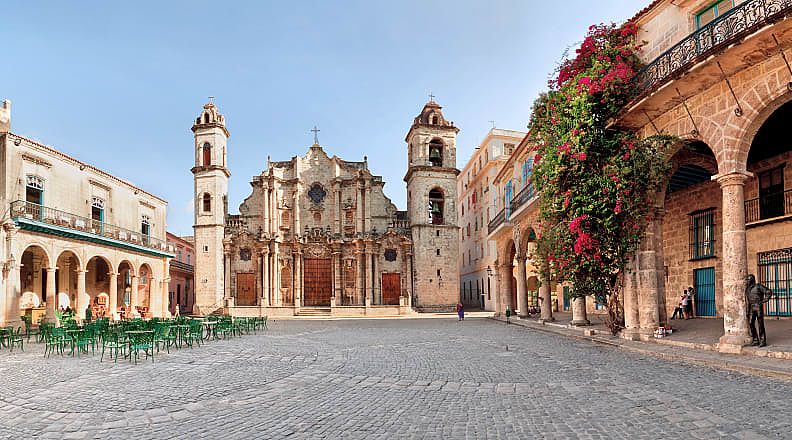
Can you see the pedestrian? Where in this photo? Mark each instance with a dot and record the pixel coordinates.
(508, 315)
(757, 295)
(690, 298)
(176, 311)
(88, 313)
(460, 312)
(684, 304)
(679, 310)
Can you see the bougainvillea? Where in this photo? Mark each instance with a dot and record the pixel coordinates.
(596, 181)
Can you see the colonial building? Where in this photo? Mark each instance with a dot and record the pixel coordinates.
(477, 205)
(718, 77)
(182, 274)
(317, 235)
(75, 236)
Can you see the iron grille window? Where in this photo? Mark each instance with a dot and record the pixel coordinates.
(775, 272)
(702, 231)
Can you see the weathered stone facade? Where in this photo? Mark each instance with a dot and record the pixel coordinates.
(317, 235)
(724, 87)
(75, 236)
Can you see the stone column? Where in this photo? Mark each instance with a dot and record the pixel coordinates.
(359, 213)
(227, 301)
(133, 295)
(360, 287)
(369, 292)
(579, 315)
(298, 279)
(80, 303)
(545, 296)
(505, 287)
(265, 280)
(660, 265)
(647, 282)
(64, 273)
(367, 208)
(112, 306)
(630, 303)
(735, 264)
(337, 274)
(522, 288)
(266, 209)
(164, 294)
(12, 293)
(376, 293)
(51, 294)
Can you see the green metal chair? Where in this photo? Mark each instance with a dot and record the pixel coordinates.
(113, 342)
(55, 341)
(16, 339)
(141, 342)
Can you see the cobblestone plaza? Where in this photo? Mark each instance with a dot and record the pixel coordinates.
(419, 378)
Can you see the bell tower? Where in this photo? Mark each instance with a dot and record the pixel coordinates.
(431, 206)
(210, 175)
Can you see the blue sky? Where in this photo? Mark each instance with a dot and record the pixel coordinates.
(118, 84)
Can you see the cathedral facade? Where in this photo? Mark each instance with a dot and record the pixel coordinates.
(318, 236)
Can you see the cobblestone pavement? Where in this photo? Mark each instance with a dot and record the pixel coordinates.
(387, 379)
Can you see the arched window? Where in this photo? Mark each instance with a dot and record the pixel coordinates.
(206, 118)
(207, 203)
(207, 154)
(436, 152)
(436, 206)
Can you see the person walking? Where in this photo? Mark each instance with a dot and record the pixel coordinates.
(508, 314)
(460, 312)
(757, 295)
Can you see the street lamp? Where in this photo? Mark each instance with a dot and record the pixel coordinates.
(489, 271)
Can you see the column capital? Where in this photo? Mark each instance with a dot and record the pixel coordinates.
(521, 258)
(51, 269)
(113, 274)
(736, 178)
(81, 271)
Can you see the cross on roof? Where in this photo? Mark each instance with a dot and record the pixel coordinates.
(431, 97)
(316, 135)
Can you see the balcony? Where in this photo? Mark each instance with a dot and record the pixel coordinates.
(727, 29)
(182, 266)
(38, 218)
(496, 221)
(522, 197)
(773, 206)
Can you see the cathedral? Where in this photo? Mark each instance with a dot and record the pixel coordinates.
(318, 236)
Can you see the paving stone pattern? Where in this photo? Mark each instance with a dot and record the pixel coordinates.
(387, 379)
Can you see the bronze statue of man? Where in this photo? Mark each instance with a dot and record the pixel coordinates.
(757, 295)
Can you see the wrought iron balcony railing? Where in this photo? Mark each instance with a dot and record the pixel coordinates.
(21, 209)
(738, 22)
(768, 206)
(496, 221)
(522, 197)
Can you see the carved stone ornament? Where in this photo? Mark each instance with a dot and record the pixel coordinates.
(390, 254)
(317, 250)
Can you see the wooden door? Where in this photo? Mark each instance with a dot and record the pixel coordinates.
(317, 282)
(391, 289)
(246, 289)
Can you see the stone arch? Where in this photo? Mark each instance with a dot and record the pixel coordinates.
(436, 151)
(34, 261)
(145, 285)
(507, 285)
(742, 130)
(97, 281)
(437, 205)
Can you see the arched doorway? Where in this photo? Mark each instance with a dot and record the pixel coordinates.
(692, 234)
(97, 288)
(34, 277)
(144, 290)
(66, 279)
(768, 209)
(124, 288)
